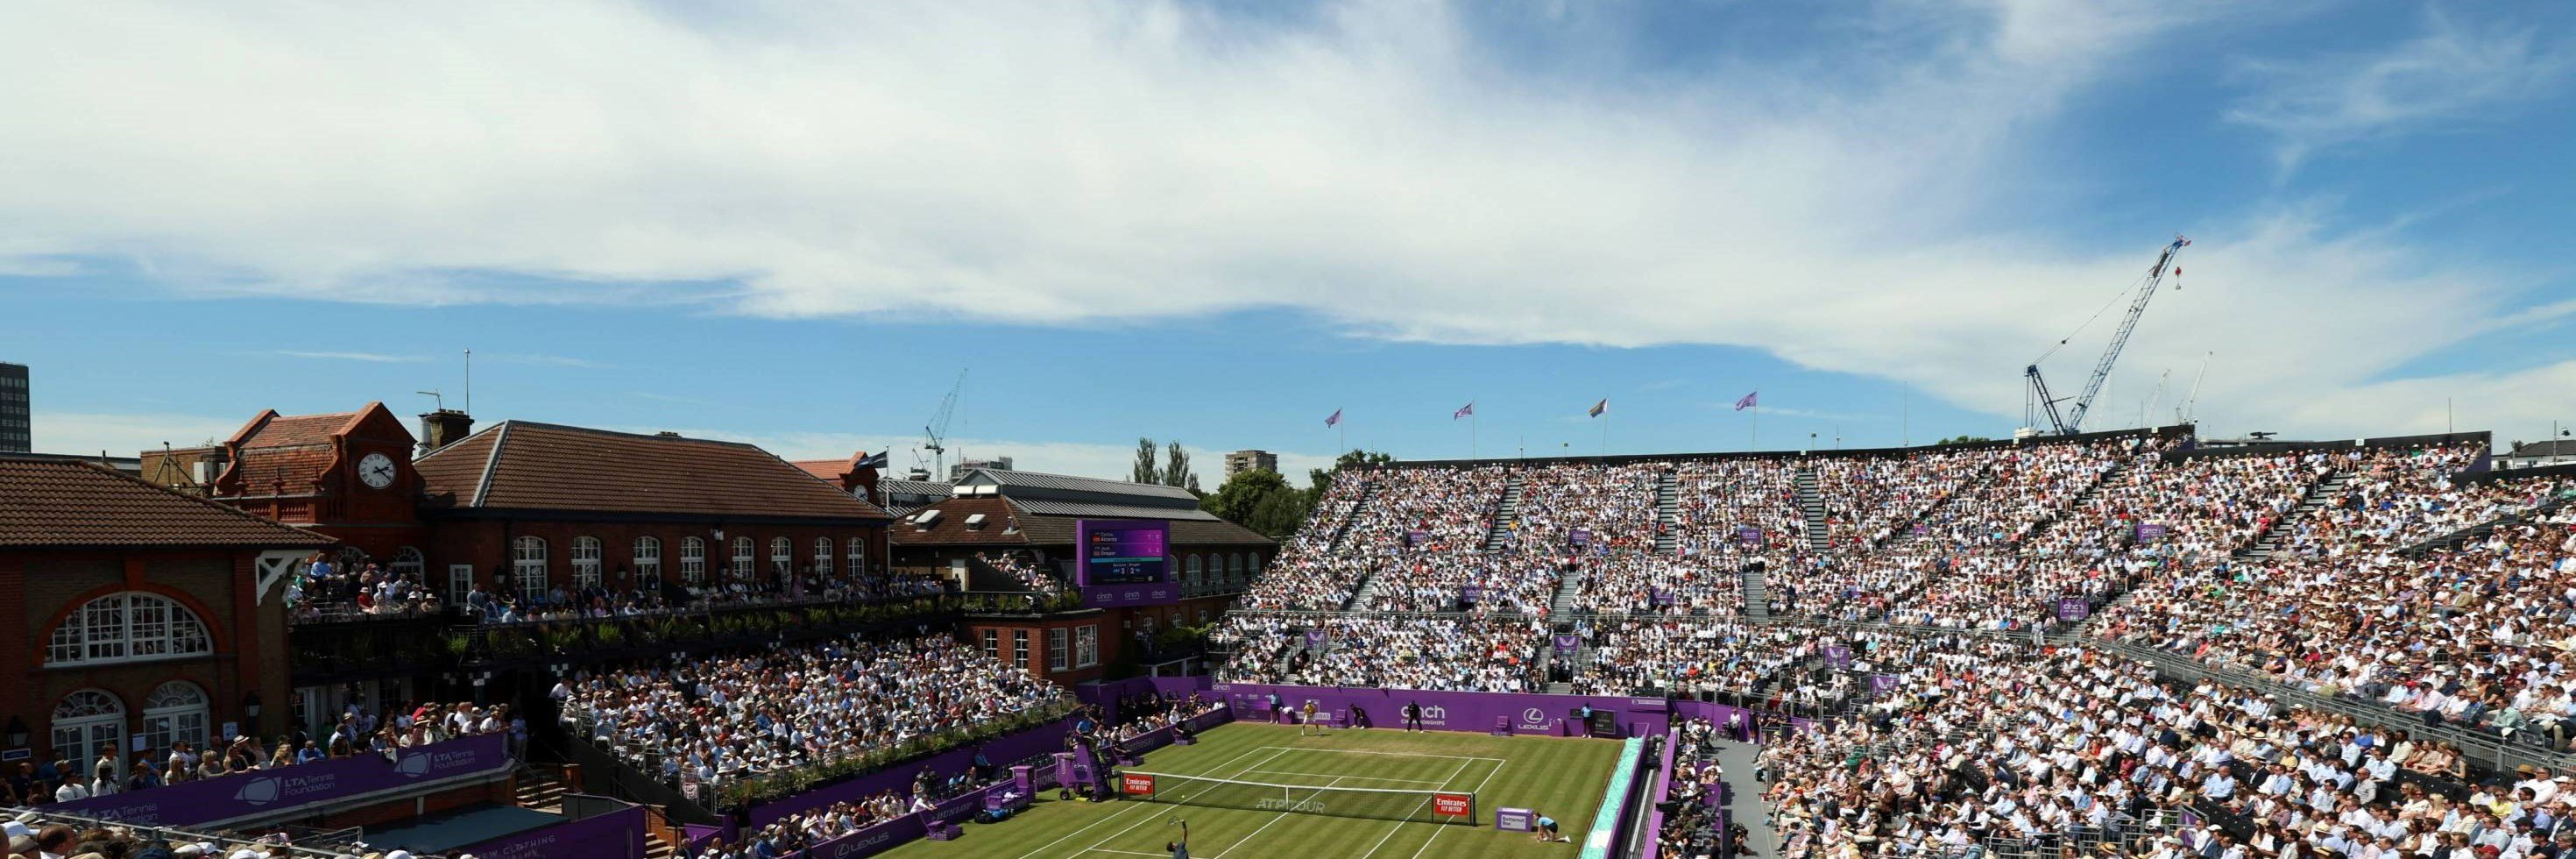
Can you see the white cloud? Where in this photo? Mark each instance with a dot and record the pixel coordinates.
(124, 434)
(1060, 163)
(368, 357)
(2452, 75)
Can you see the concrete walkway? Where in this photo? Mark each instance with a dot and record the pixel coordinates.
(1744, 797)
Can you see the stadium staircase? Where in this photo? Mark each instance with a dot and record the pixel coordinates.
(1505, 513)
(1368, 493)
(2119, 470)
(2318, 495)
(1363, 595)
(1668, 508)
(541, 787)
(1757, 596)
(1814, 507)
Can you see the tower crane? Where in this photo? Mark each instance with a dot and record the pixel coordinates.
(934, 435)
(2072, 421)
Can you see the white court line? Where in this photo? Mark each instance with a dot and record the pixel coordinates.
(1479, 790)
(1149, 818)
(1127, 852)
(1257, 832)
(1124, 811)
(1399, 825)
(1359, 777)
(1385, 754)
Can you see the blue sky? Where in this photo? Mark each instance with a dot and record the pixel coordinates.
(1220, 222)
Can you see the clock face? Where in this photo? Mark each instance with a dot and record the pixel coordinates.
(377, 470)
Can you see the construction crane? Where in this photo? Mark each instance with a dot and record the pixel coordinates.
(934, 435)
(2072, 421)
(2184, 413)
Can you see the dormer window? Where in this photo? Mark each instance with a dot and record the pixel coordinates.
(975, 522)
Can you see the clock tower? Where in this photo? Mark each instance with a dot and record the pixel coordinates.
(346, 474)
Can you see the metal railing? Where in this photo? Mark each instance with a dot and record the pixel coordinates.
(657, 761)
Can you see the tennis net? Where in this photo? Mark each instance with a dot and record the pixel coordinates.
(1424, 806)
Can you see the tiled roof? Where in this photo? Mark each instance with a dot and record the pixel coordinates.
(1010, 480)
(950, 528)
(49, 502)
(826, 469)
(897, 486)
(292, 430)
(1091, 510)
(1002, 515)
(532, 466)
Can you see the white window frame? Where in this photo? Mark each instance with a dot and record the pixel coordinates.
(586, 554)
(693, 561)
(993, 644)
(460, 583)
(528, 566)
(823, 556)
(858, 556)
(128, 626)
(1059, 649)
(410, 563)
(648, 561)
(177, 711)
(1195, 569)
(1086, 646)
(79, 731)
(1020, 648)
(782, 556)
(743, 559)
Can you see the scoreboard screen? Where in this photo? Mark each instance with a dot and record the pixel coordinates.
(1123, 551)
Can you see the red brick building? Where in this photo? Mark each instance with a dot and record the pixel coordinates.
(131, 613)
(535, 508)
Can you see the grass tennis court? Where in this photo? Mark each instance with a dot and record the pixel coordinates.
(1562, 778)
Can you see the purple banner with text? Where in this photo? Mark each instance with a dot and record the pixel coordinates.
(277, 792)
(617, 833)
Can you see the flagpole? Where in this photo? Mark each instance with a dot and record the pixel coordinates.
(1605, 432)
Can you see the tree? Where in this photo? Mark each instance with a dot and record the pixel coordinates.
(1261, 500)
(1963, 439)
(1145, 471)
(1176, 467)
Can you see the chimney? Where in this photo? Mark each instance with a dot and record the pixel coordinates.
(444, 427)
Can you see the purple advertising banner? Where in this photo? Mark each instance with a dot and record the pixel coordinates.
(617, 833)
(1002, 751)
(1314, 639)
(1113, 596)
(1416, 537)
(1579, 537)
(1470, 595)
(2073, 609)
(278, 792)
(1881, 684)
(1838, 656)
(1566, 645)
(1122, 551)
(1748, 535)
(2150, 533)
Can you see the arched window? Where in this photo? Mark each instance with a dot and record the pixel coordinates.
(127, 627)
(1195, 569)
(585, 562)
(1234, 566)
(782, 556)
(176, 712)
(858, 557)
(693, 561)
(85, 723)
(409, 564)
(823, 556)
(648, 562)
(528, 566)
(742, 559)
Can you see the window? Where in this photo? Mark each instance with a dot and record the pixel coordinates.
(648, 562)
(1086, 645)
(1058, 658)
(460, 583)
(409, 564)
(1194, 570)
(993, 644)
(528, 567)
(85, 723)
(128, 627)
(1234, 566)
(742, 558)
(693, 561)
(585, 562)
(858, 557)
(782, 556)
(176, 713)
(1203, 617)
(1020, 647)
(823, 556)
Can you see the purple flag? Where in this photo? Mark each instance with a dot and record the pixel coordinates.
(1749, 401)
(1463, 411)
(1335, 419)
